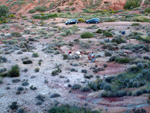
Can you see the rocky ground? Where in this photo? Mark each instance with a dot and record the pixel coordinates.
(37, 89)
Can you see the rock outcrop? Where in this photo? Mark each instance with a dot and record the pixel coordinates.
(113, 4)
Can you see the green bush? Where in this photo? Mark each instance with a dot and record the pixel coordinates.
(76, 86)
(85, 89)
(118, 40)
(147, 10)
(45, 16)
(37, 69)
(68, 109)
(122, 60)
(3, 10)
(32, 11)
(71, 3)
(16, 34)
(145, 39)
(73, 8)
(141, 19)
(148, 100)
(131, 4)
(39, 8)
(14, 72)
(56, 72)
(35, 55)
(81, 20)
(65, 56)
(52, 5)
(107, 34)
(87, 35)
(100, 31)
(135, 24)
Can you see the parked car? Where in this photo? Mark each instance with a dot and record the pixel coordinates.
(93, 20)
(72, 21)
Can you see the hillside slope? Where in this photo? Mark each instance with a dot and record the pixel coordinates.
(23, 6)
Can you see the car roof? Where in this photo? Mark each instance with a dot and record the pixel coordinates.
(95, 18)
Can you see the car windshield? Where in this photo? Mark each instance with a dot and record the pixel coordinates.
(72, 20)
(94, 19)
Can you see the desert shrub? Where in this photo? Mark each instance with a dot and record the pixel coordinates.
(135, 24)
(130, 4)
(107, 34)
(109, 79)
(67, 9)
(87, 35)
(107, 87)
(99, 31)
(68, 109)
(93, 27)
(122, 60)
(1, 80)
(138, 93)
(118, 40)
(58, 10)
(144, 39)
(12, 16)
(73, 8)
(109, 20)
(52, 5)
(37, 69)
(84, 45)
(114, 93)
(27, 61)
(147, 10)
(81, 20)
(111, 59)
(14, 106)
(35, 55)
(65, 56)
(76, 86)
(32, 11)
(14, 72)
(20, 110)
(56, 72)
(94, 86)
(108, 53)
(45, 16)
(41, 8)
(3, 10)
(140, 110)
(71, 3)
(85, 89)
(121, 93)
(16, 34)
(148, 100)
(106, 94)
(39, 62)
(141, 19)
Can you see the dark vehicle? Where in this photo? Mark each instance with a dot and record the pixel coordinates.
(72, 21)
(93, 20)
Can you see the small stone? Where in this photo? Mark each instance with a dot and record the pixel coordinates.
(20, 88)
(41, 97)
(14, 106)
(55, 95)
(20, 110)
(25, 83)
(39, 103)
(16, 80)
(84, 71)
